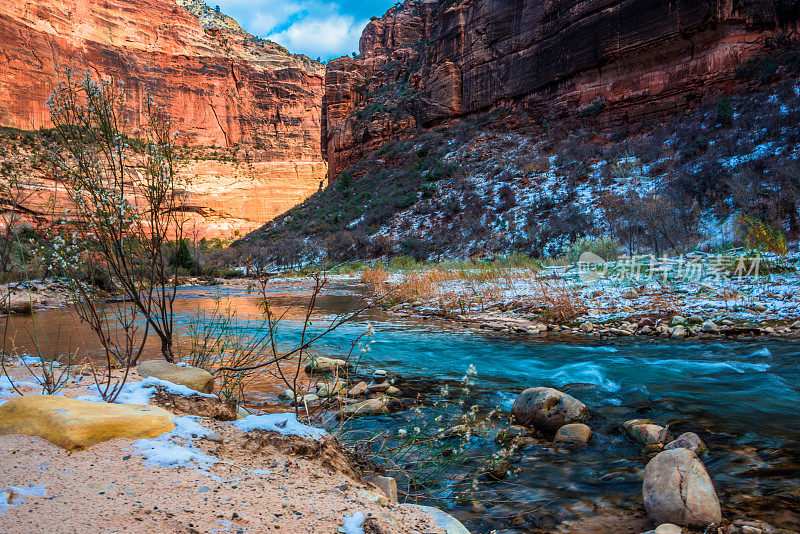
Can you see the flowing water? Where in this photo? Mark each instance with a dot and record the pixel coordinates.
(742, 398)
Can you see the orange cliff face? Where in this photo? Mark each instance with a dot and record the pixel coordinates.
(221, 86)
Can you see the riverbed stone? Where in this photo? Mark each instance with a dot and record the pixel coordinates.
(687, 440)
(547, 409)
(367, 407)
(677, 489)
(74, 424)
(679, 332)
(323, 364)
(666, 528)
(645, 432)
(709, 327)
(191, 377)
(677, 319)
(630, 293)
(577, 433)
(329, 388)
(359, 390)
(379, 387)
(587, 327)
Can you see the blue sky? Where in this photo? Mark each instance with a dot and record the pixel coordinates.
(312, 27)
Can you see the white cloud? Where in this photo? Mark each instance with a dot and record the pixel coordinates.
(311, 27)
(332, 36)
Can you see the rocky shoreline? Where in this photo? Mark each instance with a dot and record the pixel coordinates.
(679, 327)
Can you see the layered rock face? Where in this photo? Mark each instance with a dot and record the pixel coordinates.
(221, 86)
(427, 62)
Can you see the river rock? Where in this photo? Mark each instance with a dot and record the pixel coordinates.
(392, 391)
(379, 387)
(359, 390)
(743, 526)
(387, 485)
(795, 325)
(322, 364)
(645, 321)
(709, 327)
(761, 307)
(695, 319)
(677, 319)
(329, 388)
(547, 409)
(645, 432)
(74, 424)
(679, 332)
(307, 398)
(576, 433)
(666, 528)
(687, 440)
(367, 407)
(450, 524)
(630, 293)
(587, 327)
(677, 489)
(191, 377)
(286, 395)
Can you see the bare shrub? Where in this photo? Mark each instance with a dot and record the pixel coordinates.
(126, 219)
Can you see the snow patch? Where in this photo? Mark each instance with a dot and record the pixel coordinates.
(283, 423)
(13, 496)
(352, 523)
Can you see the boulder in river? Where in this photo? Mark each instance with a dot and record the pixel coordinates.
(576, 433)
(359, 390)
(547, 409)
(679, 332)
(709, 327)
(329, 388)
(666, 528)
(323, 364)
(677, 489)
(191, 377)
(645, 432)
(687, 440)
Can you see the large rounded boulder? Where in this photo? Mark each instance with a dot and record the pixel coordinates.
(184, 375)
(677, 489)
(547, 409)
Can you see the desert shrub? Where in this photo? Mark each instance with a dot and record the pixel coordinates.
(605, 247)
(725, 111)
(759, 236)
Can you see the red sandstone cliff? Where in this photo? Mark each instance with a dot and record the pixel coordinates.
(428, 61)
(221, 86)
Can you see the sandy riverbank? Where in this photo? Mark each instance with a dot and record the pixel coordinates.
(204, 476)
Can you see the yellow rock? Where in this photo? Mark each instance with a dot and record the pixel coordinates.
(74, 424)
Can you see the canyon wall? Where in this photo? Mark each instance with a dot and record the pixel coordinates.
(221, 86)
(425, 62)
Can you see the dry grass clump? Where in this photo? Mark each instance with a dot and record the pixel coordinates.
(663, 303)
(557, 301)
(375, 277)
